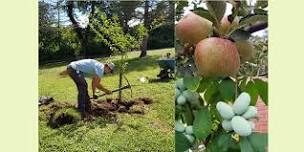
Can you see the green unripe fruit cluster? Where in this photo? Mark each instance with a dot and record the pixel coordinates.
(179, 84)
(241, 103)
(186, 130)
(183, 95)
(179, 126)
(225, 110)
(181, 100)
(189, 130)
(238, 116)
(226, 124)
(241, 126)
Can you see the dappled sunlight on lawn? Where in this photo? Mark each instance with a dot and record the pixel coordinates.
(151, 131)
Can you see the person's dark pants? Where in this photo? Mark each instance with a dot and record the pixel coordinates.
(84, 103)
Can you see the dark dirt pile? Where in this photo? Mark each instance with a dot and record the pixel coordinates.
(104, 107)
(61, 113)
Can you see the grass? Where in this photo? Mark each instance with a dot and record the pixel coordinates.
(152, 131)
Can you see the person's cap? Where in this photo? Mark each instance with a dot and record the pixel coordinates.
(111, 65)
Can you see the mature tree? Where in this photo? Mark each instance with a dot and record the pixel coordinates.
(45, 15)
(146, 25)
(137, 18)
(126, 11)
(47, 33)
(81, 30)
(156, 13)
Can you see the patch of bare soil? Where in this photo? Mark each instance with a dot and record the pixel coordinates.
(61, 113)
(103, 107)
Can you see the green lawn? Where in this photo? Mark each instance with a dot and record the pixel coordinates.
(152, 131)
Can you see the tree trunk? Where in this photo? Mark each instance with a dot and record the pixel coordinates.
(119, 86)
(58, 24)
(146, 24)
(77, 28)
(144, 46)
(82, 33)
(171, 11)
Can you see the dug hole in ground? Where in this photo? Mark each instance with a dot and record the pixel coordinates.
(62, 113)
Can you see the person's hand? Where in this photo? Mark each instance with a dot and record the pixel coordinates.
(95, 96)
(108, 92)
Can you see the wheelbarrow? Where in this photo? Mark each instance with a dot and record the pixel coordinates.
(167, 66)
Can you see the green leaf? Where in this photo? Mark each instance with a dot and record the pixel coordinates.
(261, 4)
(214, 113)
(210, 92)
(262, 87)
(260, 11)
(180, 6)
(204, 84)
(221, 142)
(217, 9)
(244, 9)
(181, 142)
(202, 124)
(227, 89)
(258, 141)
(205, 14)
(253, 92)
(242, 84)
(252, 19)
(178, 109)
(239, 35)
(245, 145)
(191, 83)
(187, 114)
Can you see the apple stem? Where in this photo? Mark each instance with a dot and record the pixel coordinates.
(236, 86)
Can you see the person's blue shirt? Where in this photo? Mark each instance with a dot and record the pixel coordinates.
(89, 67)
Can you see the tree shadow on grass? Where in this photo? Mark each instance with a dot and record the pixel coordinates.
(140, 64)
(158, 80)
(53, 65)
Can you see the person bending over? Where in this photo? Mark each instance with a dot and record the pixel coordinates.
(80, 69)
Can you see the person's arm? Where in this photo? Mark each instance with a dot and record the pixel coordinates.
(96, 84)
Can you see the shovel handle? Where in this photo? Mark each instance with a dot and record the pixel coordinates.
(116, 90)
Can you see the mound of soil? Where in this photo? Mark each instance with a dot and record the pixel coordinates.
(61, 113)
(104, 107)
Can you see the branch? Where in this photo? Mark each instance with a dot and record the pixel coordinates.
(78, 29)
(70, 6)
(92, 13)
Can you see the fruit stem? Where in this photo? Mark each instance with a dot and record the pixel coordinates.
(236, 86)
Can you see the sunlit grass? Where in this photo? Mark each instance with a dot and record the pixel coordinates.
(150, 132)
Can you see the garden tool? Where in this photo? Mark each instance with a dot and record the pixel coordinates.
(128, 86)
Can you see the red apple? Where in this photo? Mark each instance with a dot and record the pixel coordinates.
(226, 25)
(216, 57)
(193, 28)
